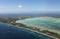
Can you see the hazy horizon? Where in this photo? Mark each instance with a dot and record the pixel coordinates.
(23, 6)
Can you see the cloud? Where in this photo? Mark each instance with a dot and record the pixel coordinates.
(20, 6)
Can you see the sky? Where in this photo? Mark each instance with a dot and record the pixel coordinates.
(22, 6)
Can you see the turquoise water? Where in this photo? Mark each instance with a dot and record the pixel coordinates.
(48, 23)
(10, 32)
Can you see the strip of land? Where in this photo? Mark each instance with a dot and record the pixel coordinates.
(35, 29)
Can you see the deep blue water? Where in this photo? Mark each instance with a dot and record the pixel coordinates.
(31, 14)
(11, 32)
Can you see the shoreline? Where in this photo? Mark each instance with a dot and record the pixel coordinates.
(12, 22)
(31, 30)
(43, 28)
(38, 32)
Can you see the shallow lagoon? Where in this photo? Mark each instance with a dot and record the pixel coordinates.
(46, 23)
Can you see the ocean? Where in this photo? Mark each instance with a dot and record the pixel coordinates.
(36, 14)
(10, 32)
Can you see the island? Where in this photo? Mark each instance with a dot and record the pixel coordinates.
(11, 20)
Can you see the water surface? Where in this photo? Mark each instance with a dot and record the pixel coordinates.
(10, 32)
(47, 23)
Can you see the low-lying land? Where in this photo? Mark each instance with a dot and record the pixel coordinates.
(13, 19)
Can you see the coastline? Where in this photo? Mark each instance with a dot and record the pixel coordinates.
(31, 30)
(53, 29)
(37, 32)
(42, 28)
